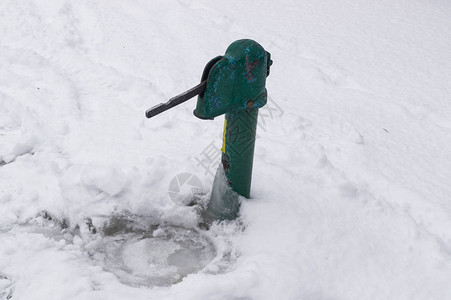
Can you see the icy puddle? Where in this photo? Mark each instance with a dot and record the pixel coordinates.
(157, 257)
(134, 249)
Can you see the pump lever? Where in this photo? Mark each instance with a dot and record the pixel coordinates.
(174, 101)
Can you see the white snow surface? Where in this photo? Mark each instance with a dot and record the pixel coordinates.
(351, 193)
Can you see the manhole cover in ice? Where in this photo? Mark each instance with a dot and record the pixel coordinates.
(156, 257)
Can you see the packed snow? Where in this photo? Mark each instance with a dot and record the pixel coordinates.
(351, 193)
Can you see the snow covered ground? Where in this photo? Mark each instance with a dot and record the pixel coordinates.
(351, 195)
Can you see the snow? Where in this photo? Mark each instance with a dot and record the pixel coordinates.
(350, 196)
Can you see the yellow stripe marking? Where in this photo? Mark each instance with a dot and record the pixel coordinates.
(224, 137)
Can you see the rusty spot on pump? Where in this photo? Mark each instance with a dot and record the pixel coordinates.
(250, 66)
(225, 163)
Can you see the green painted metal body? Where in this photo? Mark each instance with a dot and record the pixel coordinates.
(235, 87)
(234, 80)
(238, 149)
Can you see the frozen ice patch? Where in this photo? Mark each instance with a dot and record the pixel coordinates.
(152, 256)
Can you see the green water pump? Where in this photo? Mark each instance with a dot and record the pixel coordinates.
(234, 85)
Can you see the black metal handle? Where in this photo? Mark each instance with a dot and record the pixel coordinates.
(174, 101)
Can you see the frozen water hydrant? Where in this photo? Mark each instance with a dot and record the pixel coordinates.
(234, 85)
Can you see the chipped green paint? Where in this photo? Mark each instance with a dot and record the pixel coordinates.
(234, 80)
(235, 87)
